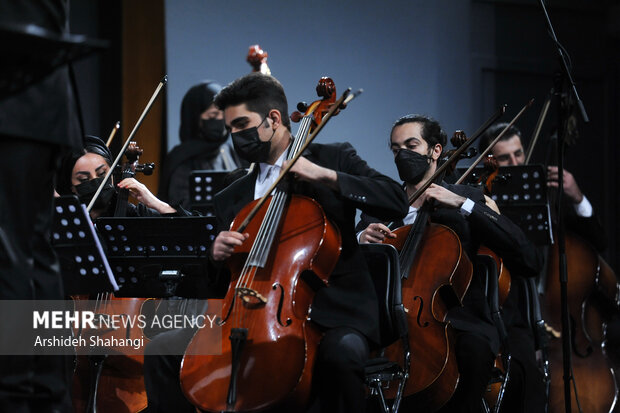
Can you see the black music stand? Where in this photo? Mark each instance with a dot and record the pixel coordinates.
(521, 194)
(160, 256)
(84, 266)
(203, 185)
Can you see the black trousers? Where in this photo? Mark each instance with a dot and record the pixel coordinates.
(338, 378)
(525, 392)
(475, 362)
(29, 270)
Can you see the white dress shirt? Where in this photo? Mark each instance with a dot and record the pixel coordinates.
(267, 175)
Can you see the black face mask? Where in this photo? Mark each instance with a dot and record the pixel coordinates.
(86, 190)
(249, 146)
(213, 130)
(411, 165)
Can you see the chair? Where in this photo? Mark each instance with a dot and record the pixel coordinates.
(383, 264)
(487, 267)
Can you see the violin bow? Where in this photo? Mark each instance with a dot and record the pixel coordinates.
(537, 129)
(339, 104)
(131, 135)
(113, 132)
(497, 138)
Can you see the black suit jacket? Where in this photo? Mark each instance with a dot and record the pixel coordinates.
(482, 226)
(350, 299)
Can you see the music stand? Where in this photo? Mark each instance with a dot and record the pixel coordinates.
(160, 256)
(203, 185)
(84, 266)
(521, 194)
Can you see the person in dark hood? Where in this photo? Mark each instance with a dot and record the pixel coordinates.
(203, 144)
(82, 172)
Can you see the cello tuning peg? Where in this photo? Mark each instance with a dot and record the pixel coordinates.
(296, 116)
(302, 107)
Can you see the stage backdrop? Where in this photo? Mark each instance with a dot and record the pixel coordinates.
(408, 56)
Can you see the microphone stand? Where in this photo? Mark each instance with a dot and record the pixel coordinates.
(563, 103)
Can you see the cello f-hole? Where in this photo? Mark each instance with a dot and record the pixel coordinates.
(280, 305)
(420, 308)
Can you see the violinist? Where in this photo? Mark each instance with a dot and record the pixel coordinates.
(203, 144)
(417, 142)
(82, 172)
(256, 112)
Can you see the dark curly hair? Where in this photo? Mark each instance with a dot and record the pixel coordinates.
(431, 129)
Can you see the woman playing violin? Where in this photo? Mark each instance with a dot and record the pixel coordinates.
(417, 143)
(82, 172)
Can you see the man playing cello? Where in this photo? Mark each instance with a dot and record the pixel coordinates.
(417, 142)
(256, 112)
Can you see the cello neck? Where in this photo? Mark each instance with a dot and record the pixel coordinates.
(266, 234)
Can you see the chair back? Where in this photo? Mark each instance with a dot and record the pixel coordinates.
(382, 260)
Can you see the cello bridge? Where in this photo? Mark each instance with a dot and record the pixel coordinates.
(250, 296)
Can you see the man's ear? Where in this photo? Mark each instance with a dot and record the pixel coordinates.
(276, 118)
(436, 151)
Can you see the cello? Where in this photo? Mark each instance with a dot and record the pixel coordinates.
(265, 309)
(436, 273)
(593, 296)
(428, 292)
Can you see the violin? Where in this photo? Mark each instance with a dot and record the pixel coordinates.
(128, 170)
(269, 356)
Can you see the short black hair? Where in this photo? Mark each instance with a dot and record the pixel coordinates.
(494, 130)
(431, 129)
(260, 93)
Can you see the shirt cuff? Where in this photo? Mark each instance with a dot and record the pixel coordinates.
(584, 208)
(467, 207)
(359, 235)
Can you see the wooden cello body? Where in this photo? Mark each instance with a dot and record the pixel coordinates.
(280, 342)
(438, 280)
(593, 296)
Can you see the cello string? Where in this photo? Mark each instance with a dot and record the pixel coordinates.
(266, 233)
(273, 216)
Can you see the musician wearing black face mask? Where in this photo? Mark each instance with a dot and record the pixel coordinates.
(417, 143)
(82, 172)
(203, 145)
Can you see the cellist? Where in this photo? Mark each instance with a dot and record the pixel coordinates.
(581, 219)
(579, 214)
(256, 112)
(417, 142)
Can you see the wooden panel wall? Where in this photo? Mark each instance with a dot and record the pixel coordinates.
(143, 60)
